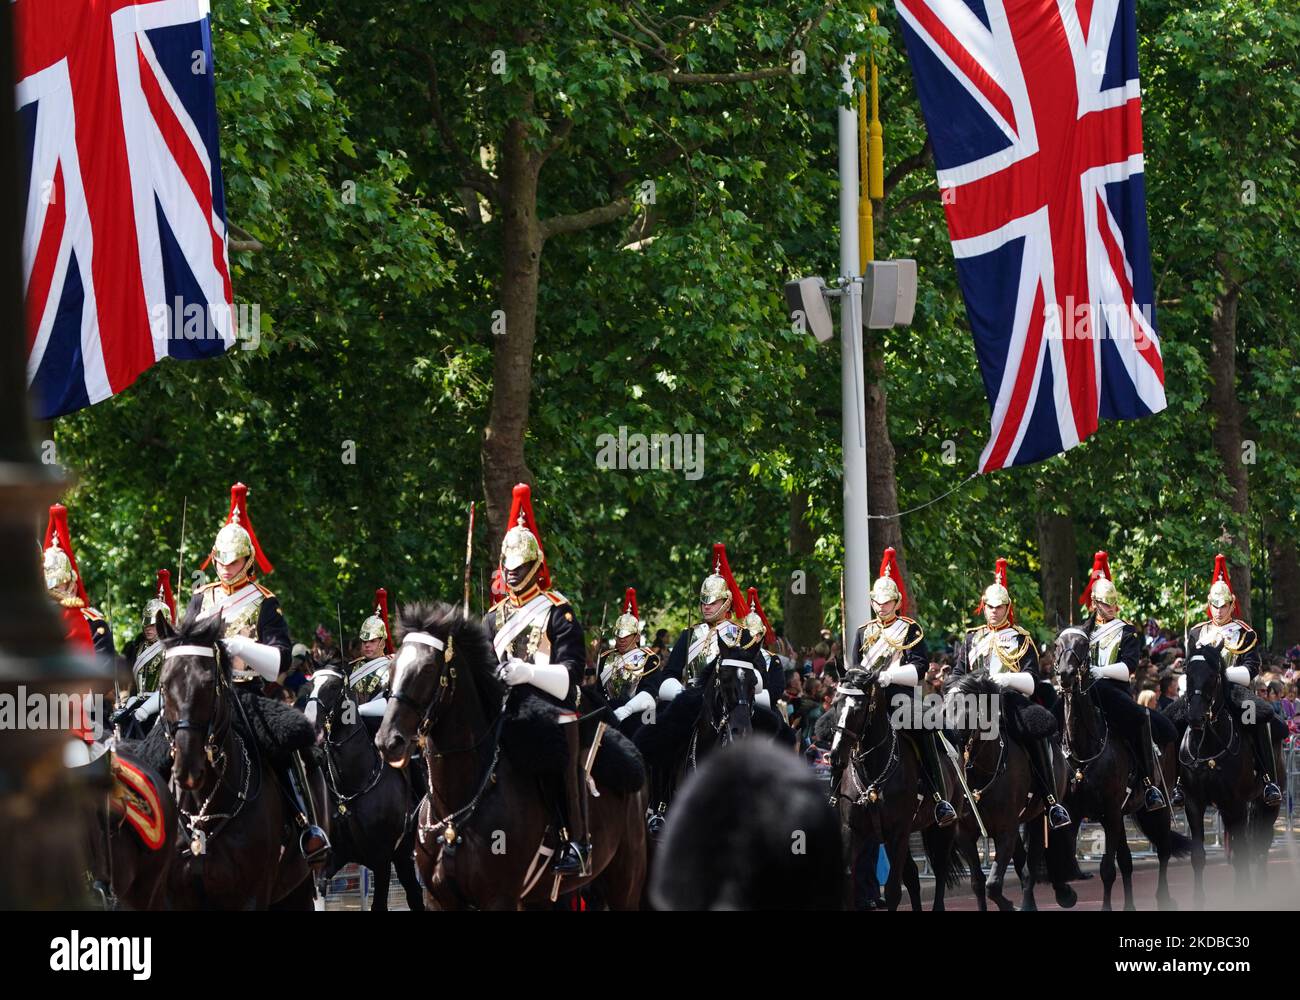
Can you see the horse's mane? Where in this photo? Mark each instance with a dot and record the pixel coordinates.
(959, 689)
(470, 642)
(195, 631)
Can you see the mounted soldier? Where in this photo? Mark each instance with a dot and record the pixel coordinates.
(256, 636)
(762, 636)
(145, 652)
(894, 646)
(1009, 654)
(369, 673)
(629, 672)
(84, 626)
(1114, 647)
(538, 641)
(697, 648)
(1238, 645)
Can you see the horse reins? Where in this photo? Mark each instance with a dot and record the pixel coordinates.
(332, 777)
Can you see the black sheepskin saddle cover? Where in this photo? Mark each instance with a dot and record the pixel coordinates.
(1028, 721)
(276, 728)
(663, 744)
(1130, 717)
(1176, 713)
(535, 744)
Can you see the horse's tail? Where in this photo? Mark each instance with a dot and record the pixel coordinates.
(1158, 833)
(957, 873)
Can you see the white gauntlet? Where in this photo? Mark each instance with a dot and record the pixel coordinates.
(904, 674)
(263, 659)
(1114, 672)
(1024, 683)
(1238, 675)
(640, 702)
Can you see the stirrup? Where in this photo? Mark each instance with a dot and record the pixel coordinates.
(944, 813)
(655, 823)
(1272, 794)
(573, 859)
(1177, 794)
(314, 844)
(1057, 816)
(1153, 800)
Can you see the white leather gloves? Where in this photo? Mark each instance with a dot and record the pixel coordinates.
(264, 660)
(642, 701)
(1022, 682)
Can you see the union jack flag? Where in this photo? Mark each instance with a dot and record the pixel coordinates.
(124, 244)
(1035, 119)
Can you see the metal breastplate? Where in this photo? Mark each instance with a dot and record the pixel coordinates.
(729, 632)
(626, 671)
(147, 673)
(986, 656)
(524, 645)
(1225, 638)
(244, 621)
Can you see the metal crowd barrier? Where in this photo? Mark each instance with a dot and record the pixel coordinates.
(353, 888)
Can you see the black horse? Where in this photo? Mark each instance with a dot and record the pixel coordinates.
(879, 795)
(997, 770)
(487, 827)
(237, 844)
(372, 805)
(133, 835)
(1100, 764)
(1217, 767)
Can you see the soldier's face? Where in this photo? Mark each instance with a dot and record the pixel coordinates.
(151, 633)
(625, 642)
(996, 616)
(371, 648)
(713, 610)
(885, 609)
(229, 572)
(1105, 612)
(1221, 616)
(515, 577)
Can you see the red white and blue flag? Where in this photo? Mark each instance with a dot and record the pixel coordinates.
(124, 244)
(1035, 119)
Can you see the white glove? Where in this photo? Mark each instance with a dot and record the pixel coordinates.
(1024, 683)
(263, 659)
(669, 689)
(764, 699)
(640, 702)
(1114, 672)
(150, 707)
(374, 708)
(1238, 675)
(1182, 684)
(515, 671)
(904, 674)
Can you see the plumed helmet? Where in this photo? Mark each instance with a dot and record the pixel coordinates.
(1099, 585)
(720, 583)
(1221, 592)
(237, 540)
(376, 626)
(58, 567)
(889, 583)
(522, 544)
(58, 561)
(1105, 591)
(628, 623)
(996, 595)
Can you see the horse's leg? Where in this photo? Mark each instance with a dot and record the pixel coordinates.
(1234, 825)
(1004, 848)
(970, 851)
(1107, 866)
(897, 854)
(404, 862)
(1125, 859)
(912, 880)
(383, 875)
(1195, 813)
(1033, 858)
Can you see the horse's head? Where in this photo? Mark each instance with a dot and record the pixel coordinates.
(1070, 657)
(851, 705)
(330, 691)
(440, 651)
(1204, 671)
(195, 685)
(732, 699)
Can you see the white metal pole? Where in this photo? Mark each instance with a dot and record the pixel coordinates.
(857, 556)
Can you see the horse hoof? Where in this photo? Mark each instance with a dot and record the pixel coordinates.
(1066, 897)
(1166, 903)
(1028, 907)
(1130, 905)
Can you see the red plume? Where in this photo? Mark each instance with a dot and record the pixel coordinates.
(629, 603)
(381, 606)
(889, 568)
(165, 591)
(752, 598)
(723, 569)
(1221, 573)
(239, 502)
(58, 525)
(523, 502)
(999, 576)
(1100, 568)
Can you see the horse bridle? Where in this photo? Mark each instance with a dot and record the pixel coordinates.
(446, 688)
(210, 740)
(1193, 759)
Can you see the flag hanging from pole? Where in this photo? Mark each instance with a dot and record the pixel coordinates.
(124, 243)
(1035, 119)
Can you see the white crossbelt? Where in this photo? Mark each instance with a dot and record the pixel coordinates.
(519, 621)
(232, 602)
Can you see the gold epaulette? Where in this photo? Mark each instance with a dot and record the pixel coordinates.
(496, 605)
(976, 628)
(1252, 634)
(555, 597)
(266, 591)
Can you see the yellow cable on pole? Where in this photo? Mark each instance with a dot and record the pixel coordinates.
(866, 225)
(876, 161)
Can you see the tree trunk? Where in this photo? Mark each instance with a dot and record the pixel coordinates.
(1227, 438)
(512, 354)
(1284, 566)
(882, 487)
(1059, 565)
(802, 612)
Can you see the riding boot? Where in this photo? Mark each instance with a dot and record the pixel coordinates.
(312, 841)
(1153, 799)
(1265, 762)
(944, 813)
(574, 857)
(1041, 756)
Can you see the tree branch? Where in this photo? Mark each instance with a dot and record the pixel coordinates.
(471, 174)
(578, 221)
(241, 239)
(746, 76)
(906, 165)
(560, 134)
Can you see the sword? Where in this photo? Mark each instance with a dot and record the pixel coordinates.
(591, 758)
(469, 553)
(951, 751)
(1186, 630)
(180, 553)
